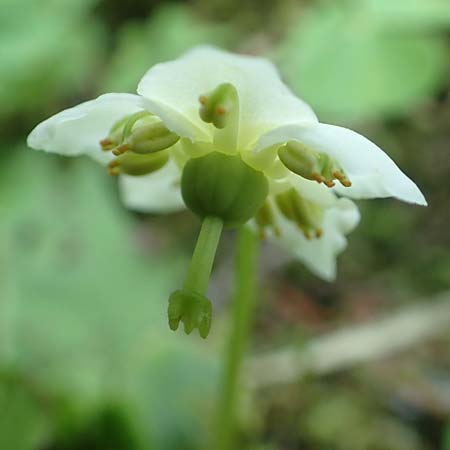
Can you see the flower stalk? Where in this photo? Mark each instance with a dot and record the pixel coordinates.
(242, 313)
(190, 304)
(202, 260)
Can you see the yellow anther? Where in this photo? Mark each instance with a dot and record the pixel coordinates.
(106, 144)
(317, 177)
(342, 178)
(113, 168)
(311, 164)
(203, 99)
(121, 149)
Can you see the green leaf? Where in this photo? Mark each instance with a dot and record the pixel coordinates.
(410, 14)
(23, 426)
(349, 67)
(48, 49)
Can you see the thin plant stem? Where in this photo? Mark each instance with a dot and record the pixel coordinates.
(199, 270)
(242, 313)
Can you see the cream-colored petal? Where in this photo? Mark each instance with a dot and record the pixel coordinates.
(78, 130)
(371, 171)
(172, 90)
(319, 255)
(158, 192)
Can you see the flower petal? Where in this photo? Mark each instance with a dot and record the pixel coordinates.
(319, 255)
(158, 192)
(172, 90)
(371, 171)
(78, 130)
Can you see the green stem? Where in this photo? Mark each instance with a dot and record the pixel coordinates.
(199, 270)
(243, 304)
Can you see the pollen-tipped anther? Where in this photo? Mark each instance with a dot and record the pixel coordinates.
(311, 164)
(113, 168)
(305, 214)
(106, 144)
(342, 178)
(121, 149)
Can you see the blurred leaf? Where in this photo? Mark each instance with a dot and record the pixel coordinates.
(89, 316)
(169, 32)
(347, 420)
(348, 66)
(23, 426)
(410, 14)
(48, 48)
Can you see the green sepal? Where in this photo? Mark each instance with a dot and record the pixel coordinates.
(191, 308)
(223, 186)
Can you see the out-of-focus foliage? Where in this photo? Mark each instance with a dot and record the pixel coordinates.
(23, 425)
(367, 59)
(170, 31)
(347, 420)
(83, 315)
(48, 48)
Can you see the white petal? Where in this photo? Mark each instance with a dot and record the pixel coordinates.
(158, 192)
(172, 90)
(371, 171)
(78, 130)
(319, 255)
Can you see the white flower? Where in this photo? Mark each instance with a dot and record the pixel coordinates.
(270, 128)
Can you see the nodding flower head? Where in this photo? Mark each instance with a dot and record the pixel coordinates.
(222, 135)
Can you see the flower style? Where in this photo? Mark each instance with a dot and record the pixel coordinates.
(221, 134)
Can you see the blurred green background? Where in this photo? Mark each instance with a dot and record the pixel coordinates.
(87, 361)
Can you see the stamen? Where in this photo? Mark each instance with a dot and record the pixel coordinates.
(305, 214)
(342, 178)
(203, 99)
(265, 219)
(311, 164)
(113, 168)
(317, 177)
(106, 144)
(306, 233)
(121, 149)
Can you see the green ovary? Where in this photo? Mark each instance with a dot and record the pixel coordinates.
(223, 186)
